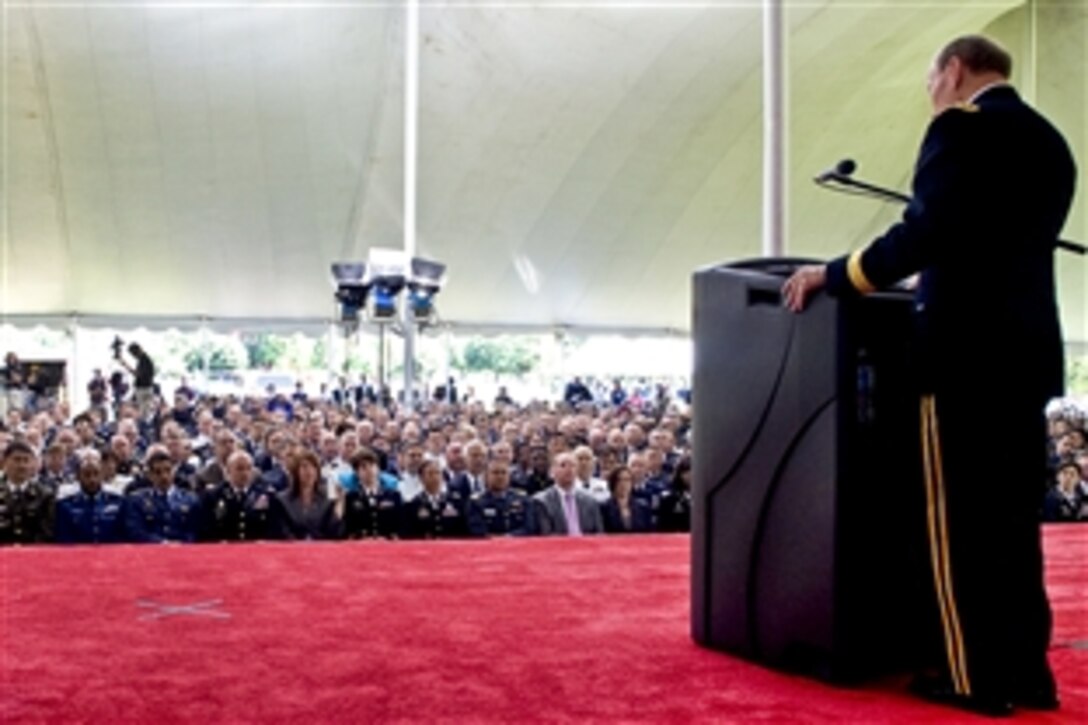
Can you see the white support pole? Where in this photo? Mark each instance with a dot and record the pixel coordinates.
(1030, 75)
(774, 130)
(205, 364)
(76, 393)
(411, 129)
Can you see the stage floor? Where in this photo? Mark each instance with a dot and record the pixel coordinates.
(591, 629)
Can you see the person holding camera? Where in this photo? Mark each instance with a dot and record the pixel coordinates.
(13, 385)
(143, 377)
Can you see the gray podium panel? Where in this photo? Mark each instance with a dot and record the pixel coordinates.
(808, 529)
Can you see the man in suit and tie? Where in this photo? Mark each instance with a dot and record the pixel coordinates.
(563, 509)
(473, 480)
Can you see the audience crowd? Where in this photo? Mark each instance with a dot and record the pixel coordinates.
(352, 464)
(343, 464)
(1067, 496)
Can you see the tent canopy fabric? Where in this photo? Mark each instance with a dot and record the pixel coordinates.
(577, 161)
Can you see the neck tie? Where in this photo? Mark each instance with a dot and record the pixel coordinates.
(571, 509)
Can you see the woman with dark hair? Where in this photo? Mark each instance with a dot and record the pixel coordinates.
(622, 512)
(674, 513)
(304, 511)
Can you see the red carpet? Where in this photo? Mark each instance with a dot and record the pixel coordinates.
(558, 630)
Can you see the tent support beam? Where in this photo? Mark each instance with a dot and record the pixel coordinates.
(774, 130)
(411, 131)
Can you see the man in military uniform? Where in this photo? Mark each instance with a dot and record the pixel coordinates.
(992, 189)
(372, 511)
(162, 512)
(500, 510)
(433, 514)
(90, 515)
(239, 508)
(26, 506)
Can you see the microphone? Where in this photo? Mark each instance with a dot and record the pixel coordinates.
(841, 169)
(841, 174)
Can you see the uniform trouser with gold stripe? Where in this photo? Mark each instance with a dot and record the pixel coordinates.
(984, 462)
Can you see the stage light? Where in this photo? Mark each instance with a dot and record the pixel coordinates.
(351, 288)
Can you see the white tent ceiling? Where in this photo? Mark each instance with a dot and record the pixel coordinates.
(577, 160)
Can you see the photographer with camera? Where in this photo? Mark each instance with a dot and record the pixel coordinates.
(12, 384)
(143, 376)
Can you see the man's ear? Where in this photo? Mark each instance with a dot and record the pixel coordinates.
(956, 71)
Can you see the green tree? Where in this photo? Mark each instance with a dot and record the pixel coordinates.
(1076, 374)
(319, 356)
(264, 351)
(219, 354)
(502, 356)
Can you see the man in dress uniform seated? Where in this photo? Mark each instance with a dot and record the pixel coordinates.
(26, 505)
(433, 514)
(238, 509)
(90, 515)
(500, 510)
(162, 512)
(992, 189)
(372, 510)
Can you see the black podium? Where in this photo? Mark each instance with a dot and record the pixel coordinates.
(808, 529)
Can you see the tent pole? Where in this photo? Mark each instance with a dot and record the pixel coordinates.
(774, 131)
(411, 131)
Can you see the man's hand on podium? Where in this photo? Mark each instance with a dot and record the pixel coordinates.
(802, 283)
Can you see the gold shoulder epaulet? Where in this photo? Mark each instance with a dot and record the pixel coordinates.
(966, 106)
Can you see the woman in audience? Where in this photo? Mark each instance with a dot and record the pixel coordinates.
(304, 511)
(674, 514)
(623, 513)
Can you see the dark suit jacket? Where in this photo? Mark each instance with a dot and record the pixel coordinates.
(292, 521)
(551, 520)
(642, 519)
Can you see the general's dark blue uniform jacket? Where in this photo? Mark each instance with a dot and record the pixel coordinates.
(155, 516)
(992, 189)
(85, 519)
(507, 513)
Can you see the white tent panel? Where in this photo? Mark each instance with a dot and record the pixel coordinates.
(577, 160)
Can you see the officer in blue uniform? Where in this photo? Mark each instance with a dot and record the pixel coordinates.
(500, 510)
(239, 508)
(26, 505)
(371, 510)
(162, 512)
(433, 514)
(90, 515)
(992, 188)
